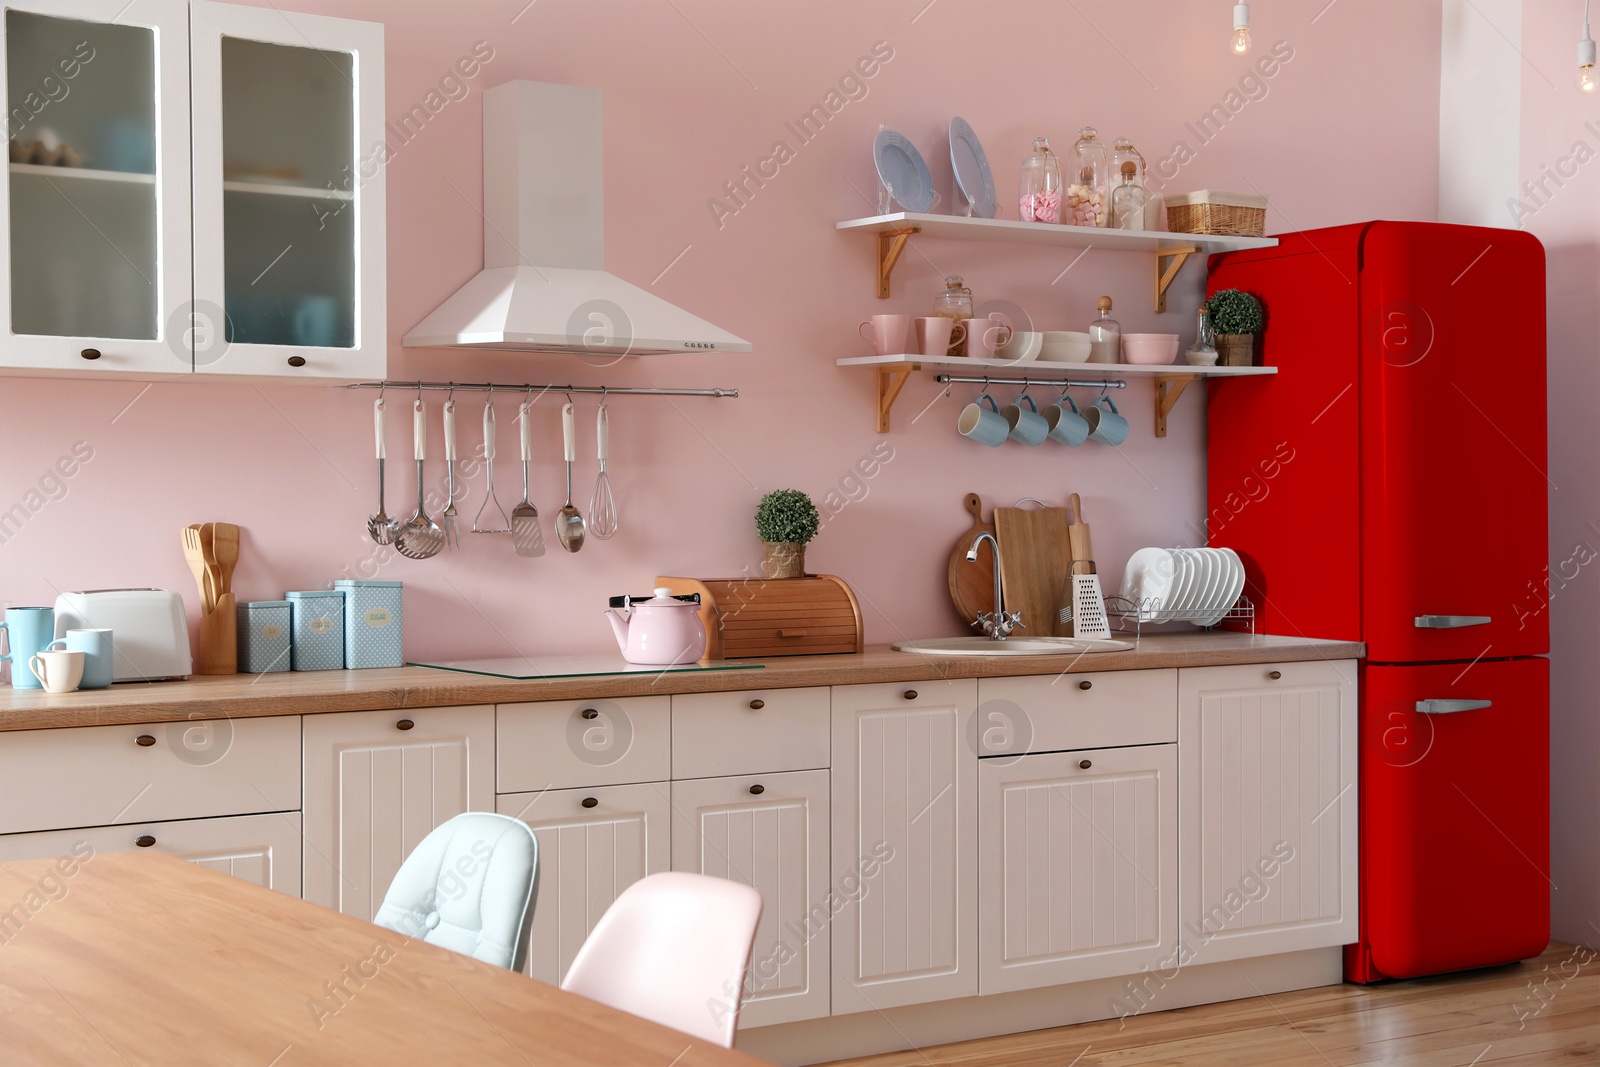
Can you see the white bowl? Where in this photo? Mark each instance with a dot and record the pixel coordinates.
(1149, 348)
(1023, 347)
(1065, 352)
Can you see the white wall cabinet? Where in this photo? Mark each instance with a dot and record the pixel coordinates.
(769, 831)
(905, 775)
(220, 217)
(593, 844)
(375, 783)
(264, 849)
(1078, 855)
(1267, 853)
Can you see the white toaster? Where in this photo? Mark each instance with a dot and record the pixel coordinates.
(149, 630)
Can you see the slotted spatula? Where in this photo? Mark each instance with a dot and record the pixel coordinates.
(526, 536)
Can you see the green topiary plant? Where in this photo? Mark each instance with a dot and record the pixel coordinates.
(1235, 311)
(787, 516)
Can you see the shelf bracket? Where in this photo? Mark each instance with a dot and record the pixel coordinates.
(890, 244)
(890, 381)
(1168, 390)
(1165, 272)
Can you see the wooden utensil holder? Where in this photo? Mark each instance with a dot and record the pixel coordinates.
(219, 639)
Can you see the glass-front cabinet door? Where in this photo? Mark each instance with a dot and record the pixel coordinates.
(97, 274)
(288, 193)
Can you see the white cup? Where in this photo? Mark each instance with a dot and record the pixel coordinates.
(59, 671)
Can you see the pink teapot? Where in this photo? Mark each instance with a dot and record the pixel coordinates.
(661, 631)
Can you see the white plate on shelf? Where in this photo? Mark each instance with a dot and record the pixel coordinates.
(902, 170)
(1232, 584)
(971, 168)
(1205, 601)
(1185, 588)
(1147, 581)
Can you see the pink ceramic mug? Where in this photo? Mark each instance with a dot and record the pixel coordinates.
(935, 334)
(889, 333)
(985, 336)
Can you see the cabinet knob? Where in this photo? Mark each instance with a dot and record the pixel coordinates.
(910, 694)
(1086, 684)
(1274, 675)
(757, 705)
(758, 789)
(590, 802)
(297, 361)
(589, 713)
(144, 740)
(90, 353)
(404, 724)
(1085, 764)
(144, 840)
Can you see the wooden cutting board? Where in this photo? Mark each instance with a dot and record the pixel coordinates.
(972, 584)
(1034, 550)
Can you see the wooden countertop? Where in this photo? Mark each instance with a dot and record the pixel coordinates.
(136, 957)
(314, 692)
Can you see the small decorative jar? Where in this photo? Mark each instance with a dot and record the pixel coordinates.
(264, 636)
(317, 620)
(1040, 193)
(1089, 192)
(373, 630)
(1105, 335)
(954, 303)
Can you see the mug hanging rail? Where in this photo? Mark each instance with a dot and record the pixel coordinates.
(1028, 383)
(484, 387)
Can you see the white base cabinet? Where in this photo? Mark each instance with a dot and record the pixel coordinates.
(1267, 857)
(593, 844)
(375, 783)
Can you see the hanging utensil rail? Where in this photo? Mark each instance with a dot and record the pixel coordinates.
(1064, 383)
(484, 387)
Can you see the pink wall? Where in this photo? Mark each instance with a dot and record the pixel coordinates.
(694, 91)
(1555, 117)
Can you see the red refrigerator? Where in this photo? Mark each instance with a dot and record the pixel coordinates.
(1389, 485)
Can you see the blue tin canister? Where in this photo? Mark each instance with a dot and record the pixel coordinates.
(373, 629)
(265, 636)
(317, 628)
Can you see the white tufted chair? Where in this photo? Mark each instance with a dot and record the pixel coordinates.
(469, 886)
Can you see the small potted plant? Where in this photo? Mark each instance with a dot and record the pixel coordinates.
(1236, 316)
(785, 520)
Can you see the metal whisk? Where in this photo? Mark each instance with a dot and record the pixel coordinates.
(603, 505)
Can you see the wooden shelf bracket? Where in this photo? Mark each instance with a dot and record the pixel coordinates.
(890, 244)
(1169, 261)
(890, 381)
(1168, 390)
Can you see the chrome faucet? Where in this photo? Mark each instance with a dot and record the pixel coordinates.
(998, 623)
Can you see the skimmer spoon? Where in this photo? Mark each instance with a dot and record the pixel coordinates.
(382, 528)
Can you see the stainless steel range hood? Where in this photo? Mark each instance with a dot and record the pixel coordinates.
(543, 287)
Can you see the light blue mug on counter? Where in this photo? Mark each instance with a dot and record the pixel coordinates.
(28, 632)
(97, 656)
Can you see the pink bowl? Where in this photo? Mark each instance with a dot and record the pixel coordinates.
(1149, 347)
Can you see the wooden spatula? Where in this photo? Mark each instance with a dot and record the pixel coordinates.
(225, 550)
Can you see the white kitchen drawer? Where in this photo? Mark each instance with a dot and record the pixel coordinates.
(102, 775)
(264, 849)
(753, 732)
(1058, 712)
(569, 744)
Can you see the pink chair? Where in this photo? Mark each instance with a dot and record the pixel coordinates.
(673, 948)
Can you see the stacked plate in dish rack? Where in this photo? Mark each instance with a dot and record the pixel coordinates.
(1198, 585)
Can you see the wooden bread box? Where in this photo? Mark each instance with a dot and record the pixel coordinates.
(760, 617)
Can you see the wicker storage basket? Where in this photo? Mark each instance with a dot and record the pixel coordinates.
(1213, 212)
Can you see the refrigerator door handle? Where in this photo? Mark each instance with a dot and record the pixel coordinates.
(1449, 622)
(1446, 707)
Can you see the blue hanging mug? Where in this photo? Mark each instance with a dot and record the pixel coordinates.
(28, 631)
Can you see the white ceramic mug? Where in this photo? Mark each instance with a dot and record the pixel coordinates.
(889, 333)
(1106, 425)
(936, 333)
(987, 427)
(58, 672)
(984, 336)
(1026, 424)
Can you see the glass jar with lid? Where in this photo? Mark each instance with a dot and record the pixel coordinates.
(1122, 151)
(1039, 198)
(1089, 192)
(1128, 199)
(954, 303)
(1105, 335)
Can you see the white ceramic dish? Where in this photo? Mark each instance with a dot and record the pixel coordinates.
(1147, 581)
(902, 170)
(1149, 348)
(1023, 347)
(971, 169)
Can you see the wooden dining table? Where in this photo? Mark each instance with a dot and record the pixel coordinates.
(140, 958)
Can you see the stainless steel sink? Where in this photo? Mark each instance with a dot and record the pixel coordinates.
(1014, 646)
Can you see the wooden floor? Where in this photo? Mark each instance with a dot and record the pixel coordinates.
(1544, 1011)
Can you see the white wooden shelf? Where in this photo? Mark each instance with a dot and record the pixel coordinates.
(307, 192)
(1170, 249)
(83, 174)
(1171, 378)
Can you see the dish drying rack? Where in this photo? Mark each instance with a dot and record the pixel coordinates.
(1142, 613)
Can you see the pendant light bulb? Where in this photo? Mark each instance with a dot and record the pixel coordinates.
(1241, 28)
(1586, 76)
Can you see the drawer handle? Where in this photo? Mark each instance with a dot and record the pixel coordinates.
(1085, 764)
(144, 740)
(1086, 684)
(297, 361)
(589, 713)
(90, 353)
(404, 724)
(910, 694)
(1274, 675)
(144, 840)
(590, 802)
(758, 789)
(791, 633)
(757, 705)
